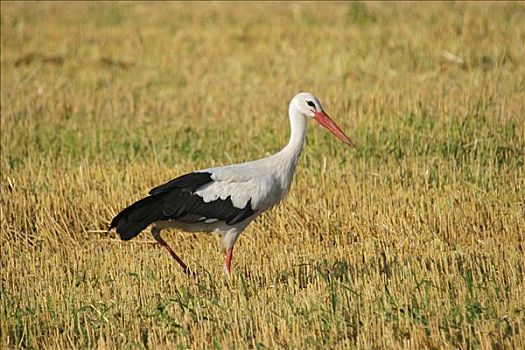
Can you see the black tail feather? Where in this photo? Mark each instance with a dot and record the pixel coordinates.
(135, 218)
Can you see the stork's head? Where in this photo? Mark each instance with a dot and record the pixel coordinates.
(310, 106)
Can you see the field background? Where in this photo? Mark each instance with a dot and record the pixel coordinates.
(414, 239)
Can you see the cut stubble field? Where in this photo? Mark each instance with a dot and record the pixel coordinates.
(414, 239)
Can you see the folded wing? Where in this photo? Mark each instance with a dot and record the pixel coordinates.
(195, 198)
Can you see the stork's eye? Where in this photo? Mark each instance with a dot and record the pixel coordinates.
(310, 103)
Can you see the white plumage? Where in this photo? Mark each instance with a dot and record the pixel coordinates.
(226, 199)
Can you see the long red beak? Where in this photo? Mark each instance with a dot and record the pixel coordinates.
(328, 123)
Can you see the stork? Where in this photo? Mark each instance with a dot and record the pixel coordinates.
(225, 199)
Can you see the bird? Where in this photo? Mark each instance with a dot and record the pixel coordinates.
(225, 200)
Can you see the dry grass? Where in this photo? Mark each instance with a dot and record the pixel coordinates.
(415, 239)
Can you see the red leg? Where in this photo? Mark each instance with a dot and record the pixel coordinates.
(228, 262)
(156, 234)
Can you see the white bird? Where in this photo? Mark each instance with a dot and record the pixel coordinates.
(225, 199)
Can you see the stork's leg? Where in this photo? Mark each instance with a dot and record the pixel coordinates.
(228, 261)
(155, 231)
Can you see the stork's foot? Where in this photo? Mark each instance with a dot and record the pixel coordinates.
(190, 274)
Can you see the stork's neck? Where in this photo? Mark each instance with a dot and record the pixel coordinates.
(292, 151)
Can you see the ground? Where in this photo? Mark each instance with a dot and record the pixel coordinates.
(413, 239)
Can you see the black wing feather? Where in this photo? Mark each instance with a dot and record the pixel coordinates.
(176, 200)
(187, 183)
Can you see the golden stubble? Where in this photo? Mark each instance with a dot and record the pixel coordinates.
(412, 240)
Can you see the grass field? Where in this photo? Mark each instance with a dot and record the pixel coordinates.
(414, 239)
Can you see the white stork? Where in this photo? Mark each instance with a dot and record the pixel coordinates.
(225, 199)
